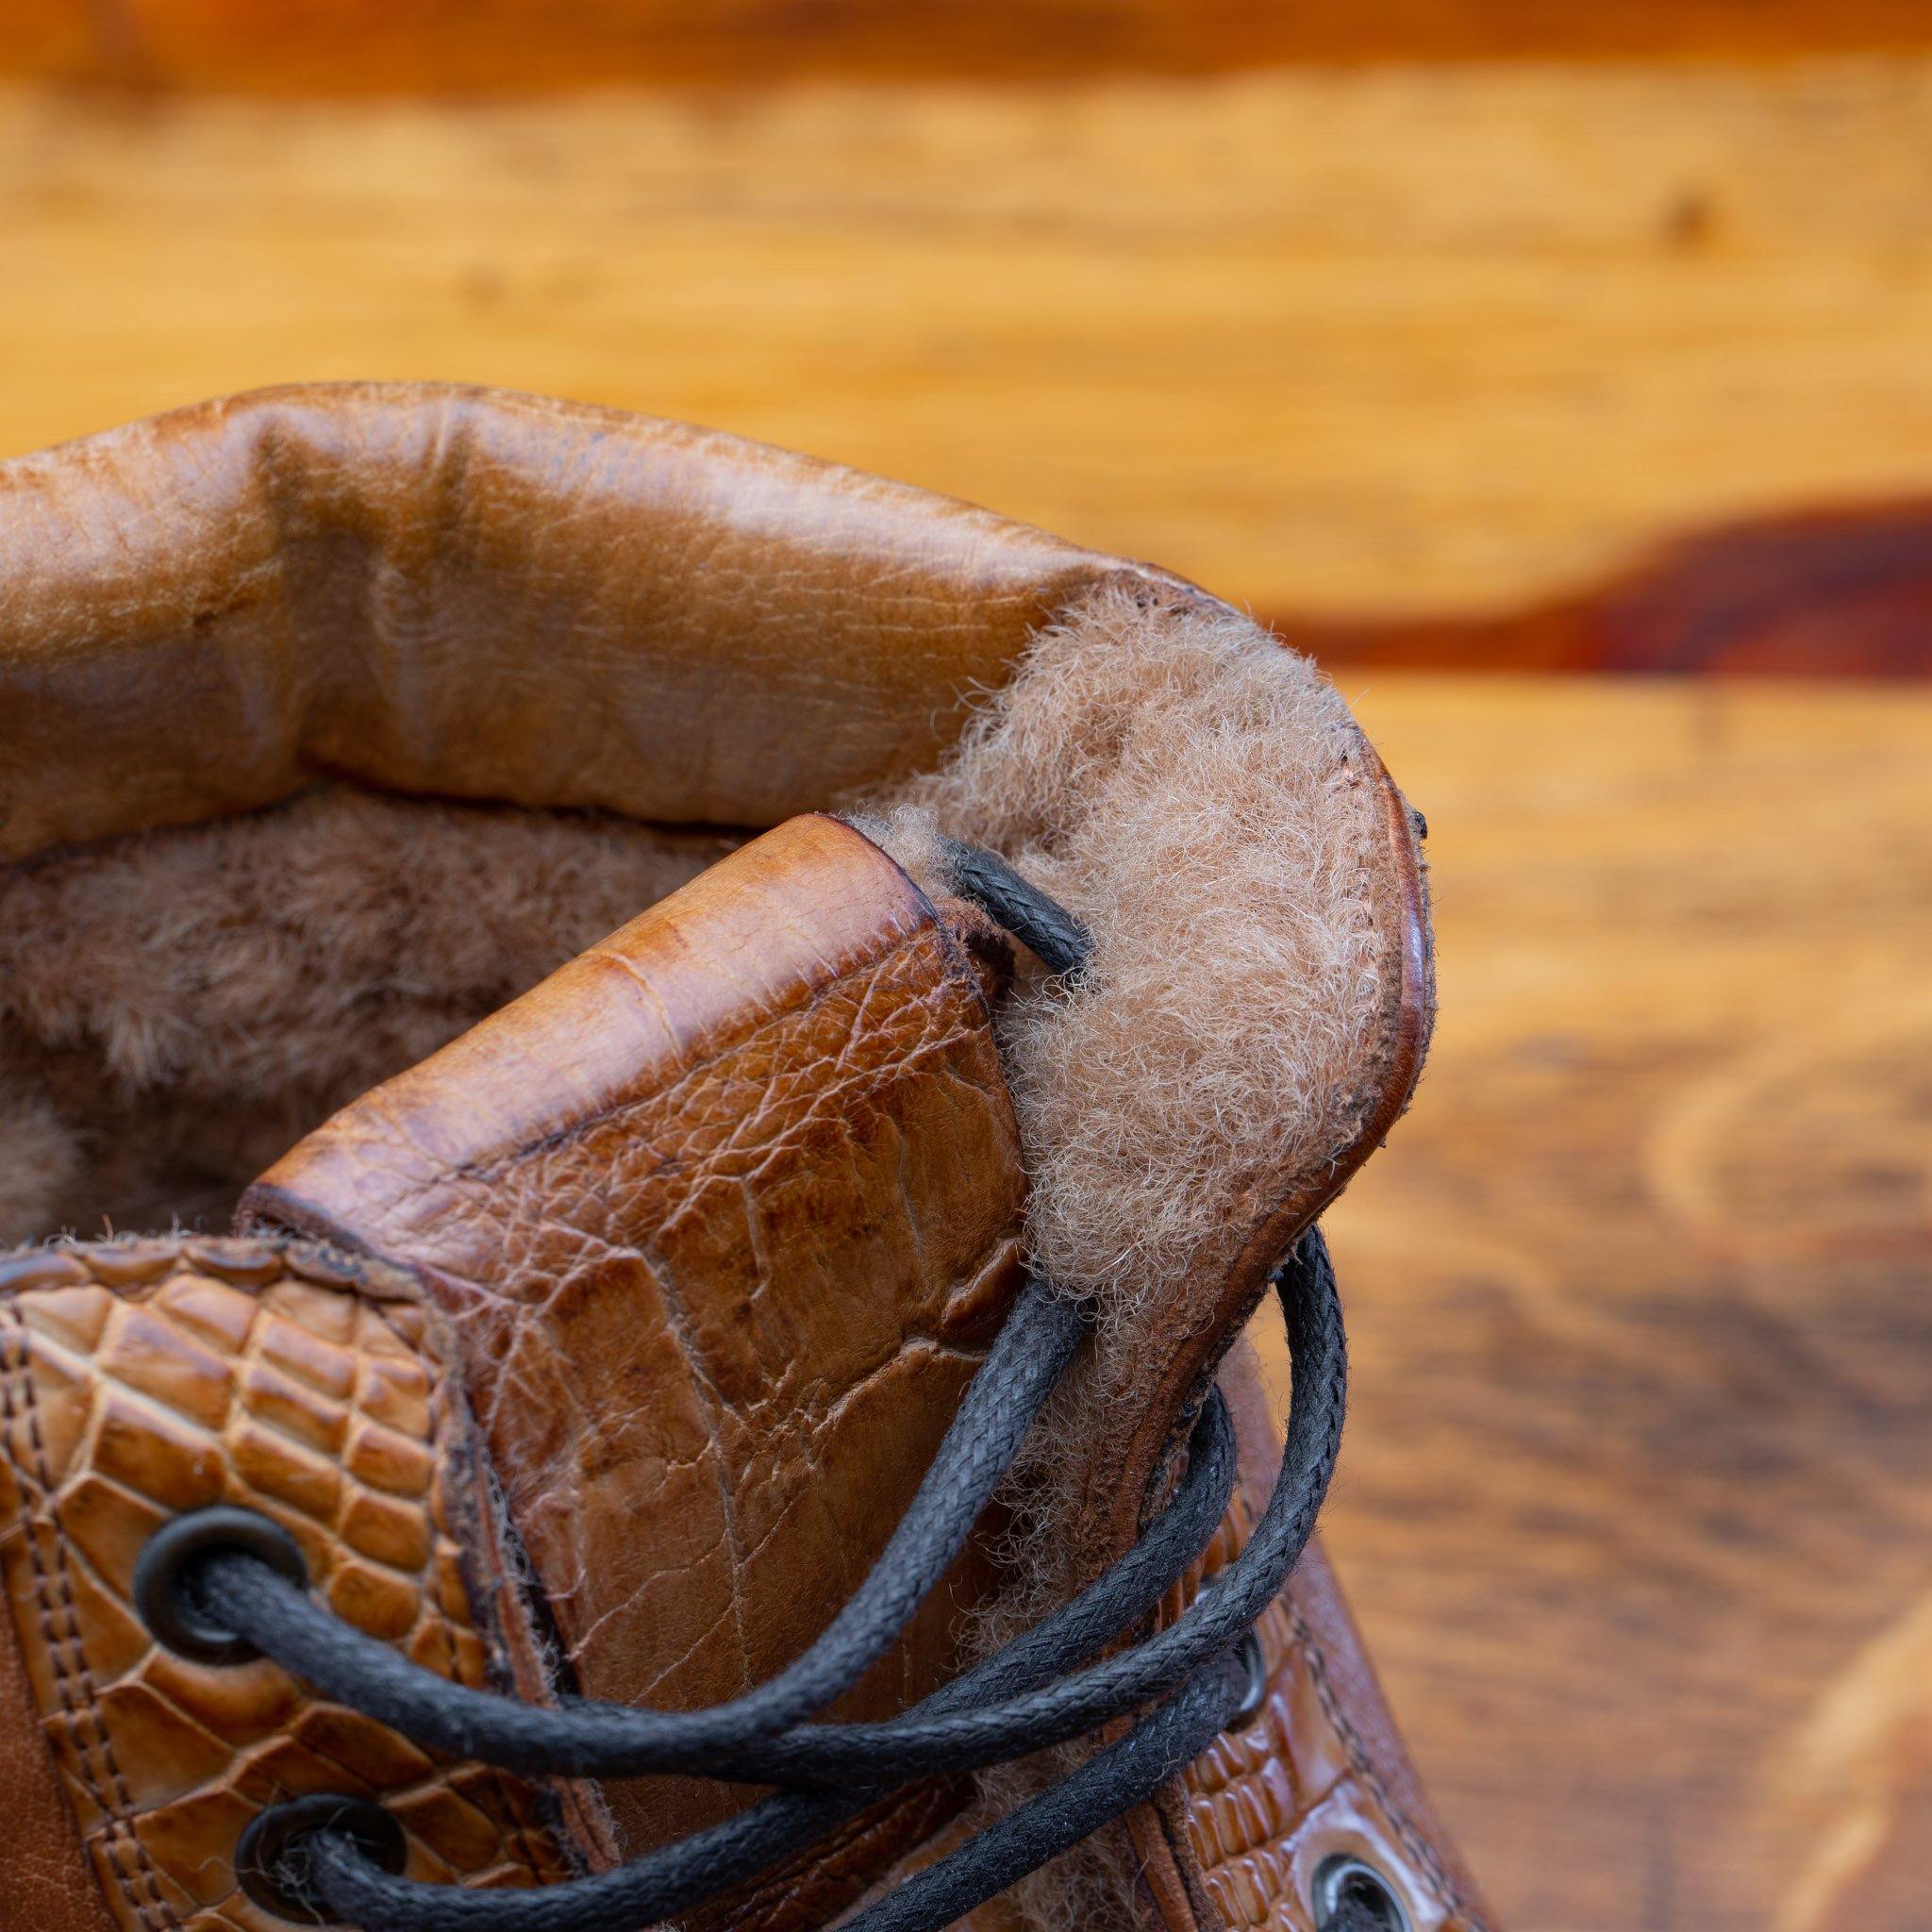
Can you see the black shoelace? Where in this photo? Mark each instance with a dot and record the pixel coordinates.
(227, 1584)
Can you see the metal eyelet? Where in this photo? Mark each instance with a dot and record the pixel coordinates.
(167, 1606)
(1254, 1661)
(264, 1855)
(1255, 1693)
(1343, 1880)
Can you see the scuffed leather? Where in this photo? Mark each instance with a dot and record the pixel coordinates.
(724, 1213)
(139, 1381)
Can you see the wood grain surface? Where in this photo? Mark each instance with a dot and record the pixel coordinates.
(360, 46)
(1636, 1501)
(1421, 339)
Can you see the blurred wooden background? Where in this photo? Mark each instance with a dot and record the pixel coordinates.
(1636, 1501)
(1455, 339)
(1442, 337)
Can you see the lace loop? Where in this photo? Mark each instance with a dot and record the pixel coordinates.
(1013, 1703)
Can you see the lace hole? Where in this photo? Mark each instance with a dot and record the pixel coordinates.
(1254, 1662)
(1255, 1693)
(273, 1840)
(1349, 1893)
(163, 1599)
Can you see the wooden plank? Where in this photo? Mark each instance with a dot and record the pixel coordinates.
(359, 46)
(1636, 1504)
(1442, 340)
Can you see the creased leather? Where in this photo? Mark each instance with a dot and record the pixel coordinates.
(724, 1213)
(476, 594)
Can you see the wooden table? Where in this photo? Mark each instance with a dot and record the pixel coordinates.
(1402, 339)
(1636, 1504)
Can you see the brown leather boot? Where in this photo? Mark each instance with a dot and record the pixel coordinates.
(633, 1458)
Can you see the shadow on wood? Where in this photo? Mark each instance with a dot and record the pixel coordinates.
(1841, 595)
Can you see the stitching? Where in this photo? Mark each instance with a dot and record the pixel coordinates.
(1412, 1842)
(59, 1628)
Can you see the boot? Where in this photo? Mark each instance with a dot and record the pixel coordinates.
(760, 1035)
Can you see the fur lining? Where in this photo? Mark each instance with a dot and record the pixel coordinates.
(1168, 771)
(1194, 792)
(178, 1007)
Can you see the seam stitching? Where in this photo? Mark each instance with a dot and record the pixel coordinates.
(59, 1628)
(1412, 1842)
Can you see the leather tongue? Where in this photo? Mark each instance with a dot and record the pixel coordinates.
(722, 1214)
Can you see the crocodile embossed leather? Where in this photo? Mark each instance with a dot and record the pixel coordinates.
(593, 1018)
(142, 1380)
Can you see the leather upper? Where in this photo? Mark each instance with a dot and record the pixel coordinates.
(142, 1380)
